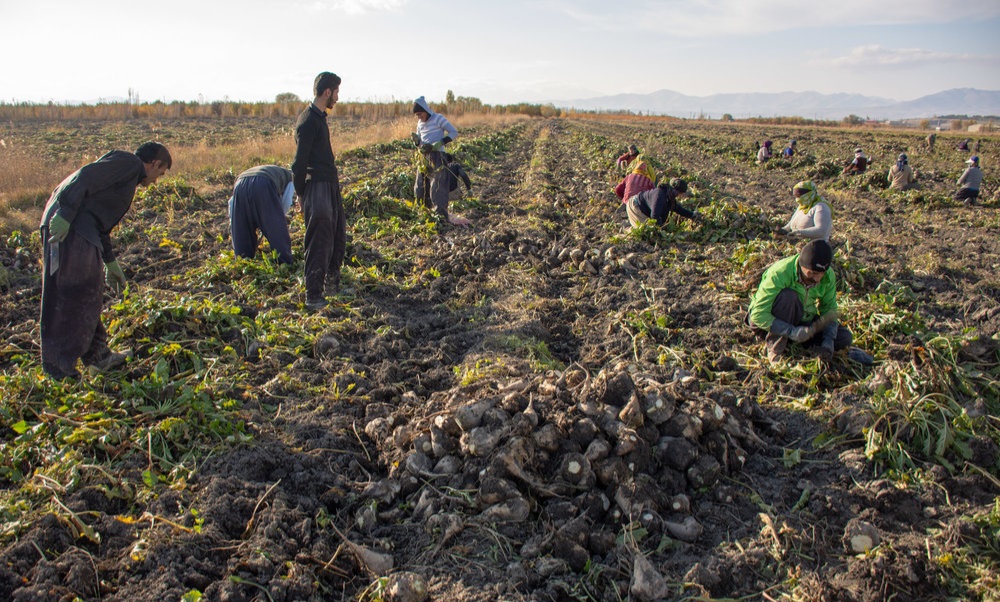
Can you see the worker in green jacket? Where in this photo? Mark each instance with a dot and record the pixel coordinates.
(797, 301)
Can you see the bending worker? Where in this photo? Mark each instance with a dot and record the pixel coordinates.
(78, 259)
(261, 198)
(658, 202)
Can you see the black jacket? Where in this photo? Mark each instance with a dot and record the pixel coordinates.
(658, 202)
(94, 198)
(313, 153)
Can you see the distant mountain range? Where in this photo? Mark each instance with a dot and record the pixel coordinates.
(810, 105)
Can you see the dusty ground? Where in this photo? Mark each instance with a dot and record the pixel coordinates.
(435, 416)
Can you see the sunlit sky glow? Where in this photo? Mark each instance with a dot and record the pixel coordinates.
(500, 52)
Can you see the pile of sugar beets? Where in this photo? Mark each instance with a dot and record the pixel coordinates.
(585, 454)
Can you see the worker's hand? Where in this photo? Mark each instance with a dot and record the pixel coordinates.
(416, 139)
(58, 229)
(825, 351)
(114, 277)
(801, 334)
(446, 140)
(426, 147)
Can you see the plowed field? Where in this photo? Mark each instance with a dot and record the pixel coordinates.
(542, 406)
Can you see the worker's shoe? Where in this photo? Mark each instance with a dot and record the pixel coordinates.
(108, 362)
(860, 356)
(316, 303)
(776, 345)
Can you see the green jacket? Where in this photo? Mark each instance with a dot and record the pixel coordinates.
(783, 274)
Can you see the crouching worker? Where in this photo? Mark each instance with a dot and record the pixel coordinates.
(433, 178)
(657, 203)
(640, 178)
(797, 301)
(813, 218)
(261, 198)
(858, 165)
(78, 259)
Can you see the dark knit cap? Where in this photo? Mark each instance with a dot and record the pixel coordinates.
(325, 81)
(817, 255)
(678, 184)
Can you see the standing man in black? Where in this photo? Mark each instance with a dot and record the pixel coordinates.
(78, 258)
(318, 187)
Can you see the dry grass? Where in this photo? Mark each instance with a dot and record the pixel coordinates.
(25, 184)
(27, 180)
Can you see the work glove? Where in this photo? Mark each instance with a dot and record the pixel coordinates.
(801, 334)
(445, 140)
(114, 277)
(825, 351)
(798, 334)
(58, 228)
(426, 147)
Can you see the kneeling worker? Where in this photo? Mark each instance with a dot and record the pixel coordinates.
(797, 301)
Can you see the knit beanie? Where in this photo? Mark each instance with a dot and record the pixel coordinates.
(816, 255)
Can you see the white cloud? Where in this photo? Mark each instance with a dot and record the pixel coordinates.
(687, 18)
(356, 7)
(875, 56)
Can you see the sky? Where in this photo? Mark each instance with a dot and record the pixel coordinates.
(500, 51)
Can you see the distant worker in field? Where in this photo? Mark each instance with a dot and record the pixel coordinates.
(859, 164)
(964, 145)
(658, 203)
(789, 151)
(812, 219)
(969, 182)
(901, 176)
(797, 301)
(640, 178)
(261, 198)
(764, 153)
(78, 260)
(626, 158)
(317, 184)
(434, 181)
(929, 141)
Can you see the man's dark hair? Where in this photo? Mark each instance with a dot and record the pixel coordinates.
(325, 81)
(154, 151)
